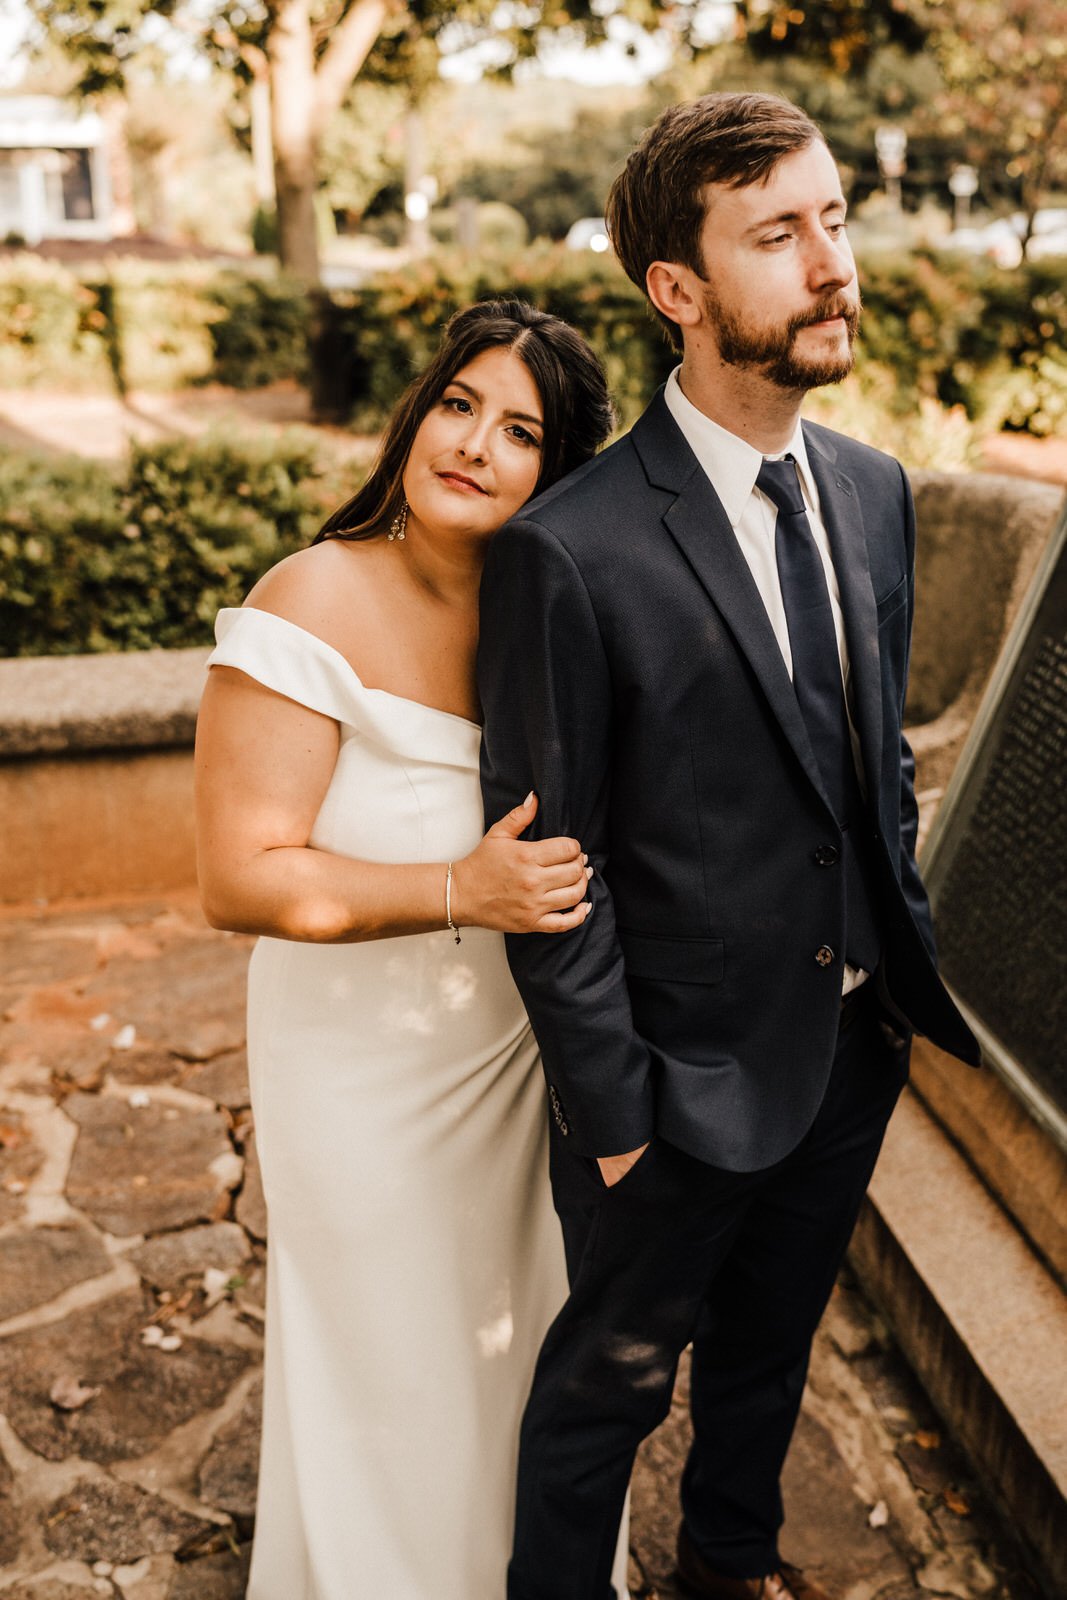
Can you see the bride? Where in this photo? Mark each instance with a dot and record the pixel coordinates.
(414, 1262)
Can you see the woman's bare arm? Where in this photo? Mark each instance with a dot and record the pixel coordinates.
(263, 766)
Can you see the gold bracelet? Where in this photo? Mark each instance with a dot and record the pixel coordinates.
(448, 904)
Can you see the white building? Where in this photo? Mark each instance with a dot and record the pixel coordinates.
(54, 177)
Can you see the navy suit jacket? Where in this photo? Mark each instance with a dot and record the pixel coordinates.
(629, 674)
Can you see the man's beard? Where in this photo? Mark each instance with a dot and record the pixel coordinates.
(773, 350)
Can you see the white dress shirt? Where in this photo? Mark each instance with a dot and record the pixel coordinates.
(732, 466)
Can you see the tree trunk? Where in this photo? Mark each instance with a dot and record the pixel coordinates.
(292, 84)
(262, 143)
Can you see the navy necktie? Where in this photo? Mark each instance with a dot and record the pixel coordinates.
(818, 686)
(812, 636)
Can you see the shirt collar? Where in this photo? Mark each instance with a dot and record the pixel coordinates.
(731, 463)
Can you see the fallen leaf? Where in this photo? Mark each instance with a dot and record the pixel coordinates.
(956, 1503)
(878, 1515)
(63, 1513)
(70, 1394)
(927, 1440)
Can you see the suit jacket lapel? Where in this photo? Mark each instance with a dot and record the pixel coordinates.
(843, 517)
(699, 525)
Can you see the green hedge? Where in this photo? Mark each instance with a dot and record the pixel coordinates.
(147, 326)
(369, 343)
(936, 328)
(260, 331)
(941, 329)
(95, 557)
(992, 341)
(54, 330)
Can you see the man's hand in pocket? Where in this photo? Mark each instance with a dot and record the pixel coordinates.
(612, 1168)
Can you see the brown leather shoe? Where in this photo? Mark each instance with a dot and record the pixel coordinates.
(784, 1583)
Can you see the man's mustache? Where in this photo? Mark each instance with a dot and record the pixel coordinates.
(837, 306)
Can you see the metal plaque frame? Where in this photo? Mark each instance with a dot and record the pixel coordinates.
(947, 829)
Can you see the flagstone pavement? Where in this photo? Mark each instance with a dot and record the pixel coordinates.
(132, 1250)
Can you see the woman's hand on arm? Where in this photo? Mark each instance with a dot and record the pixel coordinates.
(263, 766)
(521, 887)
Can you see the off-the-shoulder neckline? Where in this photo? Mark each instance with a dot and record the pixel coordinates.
(435, 711)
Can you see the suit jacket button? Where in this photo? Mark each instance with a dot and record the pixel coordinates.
(826, 854)
(824, 956)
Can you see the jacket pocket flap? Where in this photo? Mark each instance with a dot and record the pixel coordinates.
(655, 955)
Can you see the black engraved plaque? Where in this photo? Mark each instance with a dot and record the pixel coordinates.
(997, 873)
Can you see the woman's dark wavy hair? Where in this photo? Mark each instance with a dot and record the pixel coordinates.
(578, 414)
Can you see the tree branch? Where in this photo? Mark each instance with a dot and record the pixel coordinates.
(349, 46)
(223, 38)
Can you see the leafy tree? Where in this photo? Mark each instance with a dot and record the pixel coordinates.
(893, 85)
(552, 182)
(360, 149)
(841, 34)
(1005, 100)
(311, 52)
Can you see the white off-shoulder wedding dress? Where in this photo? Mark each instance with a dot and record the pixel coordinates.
(414, 1260)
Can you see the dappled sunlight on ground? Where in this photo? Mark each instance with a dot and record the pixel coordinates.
(100, 425)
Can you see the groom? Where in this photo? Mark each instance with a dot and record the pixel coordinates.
(695, 650)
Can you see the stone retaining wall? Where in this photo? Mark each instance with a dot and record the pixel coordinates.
(96, 781)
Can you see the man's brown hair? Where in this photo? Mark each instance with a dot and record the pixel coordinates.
(656, 207)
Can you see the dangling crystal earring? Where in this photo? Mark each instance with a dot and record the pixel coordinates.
(399, 524)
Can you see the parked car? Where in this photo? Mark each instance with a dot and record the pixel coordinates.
(1002, 241)
(996, 241)
(588, 233)
(1049, 235)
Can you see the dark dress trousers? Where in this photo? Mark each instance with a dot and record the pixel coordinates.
(630, 675)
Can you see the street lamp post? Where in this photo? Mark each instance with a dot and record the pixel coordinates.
(420, 186)
(891, 143)
(962, 183)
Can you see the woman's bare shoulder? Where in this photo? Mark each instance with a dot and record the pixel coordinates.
(326, 589)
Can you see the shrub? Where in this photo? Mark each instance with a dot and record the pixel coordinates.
(158, 323)
(260, 331)
(95, 557)
(52, 328)
(371, 342)
(937, 328)
(146, 325)
(1012, 365)
(968, 334)
(60, 525)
